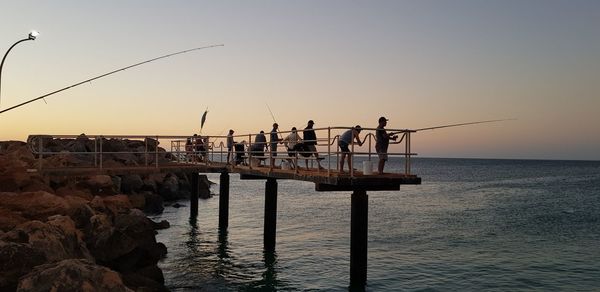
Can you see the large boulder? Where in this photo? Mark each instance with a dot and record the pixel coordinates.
(146, 279)
(57, 239)
(72, 275)
(153, 203)
(169, 189)
(99, 185)
(34, 205)
(131, 183)
(106, 243)
(16, 260)
(10, 219)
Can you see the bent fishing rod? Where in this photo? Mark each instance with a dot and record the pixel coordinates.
(454, 125)
(106, 74)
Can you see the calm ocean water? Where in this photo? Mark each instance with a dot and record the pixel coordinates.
(473, 225)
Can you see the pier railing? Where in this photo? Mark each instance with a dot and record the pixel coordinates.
(101, 151)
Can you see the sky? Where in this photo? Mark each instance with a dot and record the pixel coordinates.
(419, 63)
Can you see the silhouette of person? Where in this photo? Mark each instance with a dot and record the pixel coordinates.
(345, 141)
(310, 140)
(382, 142)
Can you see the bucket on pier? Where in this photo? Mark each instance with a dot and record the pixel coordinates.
(367, 167)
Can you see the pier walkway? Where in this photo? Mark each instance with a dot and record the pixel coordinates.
(96, 154)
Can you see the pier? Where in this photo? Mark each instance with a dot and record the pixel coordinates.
(250, 165)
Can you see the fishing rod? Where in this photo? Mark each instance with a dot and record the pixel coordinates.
(452, 125)
(106, 74)
(274, 121)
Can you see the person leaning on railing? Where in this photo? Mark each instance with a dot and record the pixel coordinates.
(344, 143)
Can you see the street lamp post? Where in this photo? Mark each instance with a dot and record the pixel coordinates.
(31, 37)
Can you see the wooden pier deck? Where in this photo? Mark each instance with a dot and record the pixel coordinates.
(324, 180)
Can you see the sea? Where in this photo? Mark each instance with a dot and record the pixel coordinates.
(472, 225)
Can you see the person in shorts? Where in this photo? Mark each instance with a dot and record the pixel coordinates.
(310, 140)
(345, 142)
(382, 143)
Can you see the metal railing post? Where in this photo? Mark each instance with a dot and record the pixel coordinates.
(351, 153)
(156, 153)
(95, 151)
(329, 151)
(250, 150)
(101, 138)
(40, 159)
(145, 151)
(409, 154)
(406, 151)
(370, 137)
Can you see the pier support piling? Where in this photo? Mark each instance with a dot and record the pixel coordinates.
(270, 214)
(224, 201)
(195, 188)
(358, 238)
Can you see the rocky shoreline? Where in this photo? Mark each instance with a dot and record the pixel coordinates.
(83, 233)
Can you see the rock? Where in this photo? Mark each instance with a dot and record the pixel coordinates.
(69, 191)
(150, 184)
(105, 242)
(129, 159)
(34, 205)
(138, 201)
(9, 219)
(16, 260)
(99, 185)
(177, 205)
(71, 275)
(151, 144)
(164, 224)
(114, 145)
(153, 203)
(118, 204)
(57, 239)
(169, 188)
(137, 226)
(131, 183)
(78, 145)
(112, 204)
(81, 215)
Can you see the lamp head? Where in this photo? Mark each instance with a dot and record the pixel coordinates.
(33, 34)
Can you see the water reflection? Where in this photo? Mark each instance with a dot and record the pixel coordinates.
(223, 245)
(268, 281)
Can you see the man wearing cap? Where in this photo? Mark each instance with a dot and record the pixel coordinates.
(274, 140)
(382, 143)
(310, 140)
(344, 141)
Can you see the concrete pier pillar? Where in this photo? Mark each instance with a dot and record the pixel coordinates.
(358, 238)
(224, 201)
(270, 214)
(195, 190)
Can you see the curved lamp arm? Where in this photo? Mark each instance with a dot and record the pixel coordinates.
(31, 37)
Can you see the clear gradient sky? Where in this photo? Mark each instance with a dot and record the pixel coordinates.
(420, 63)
